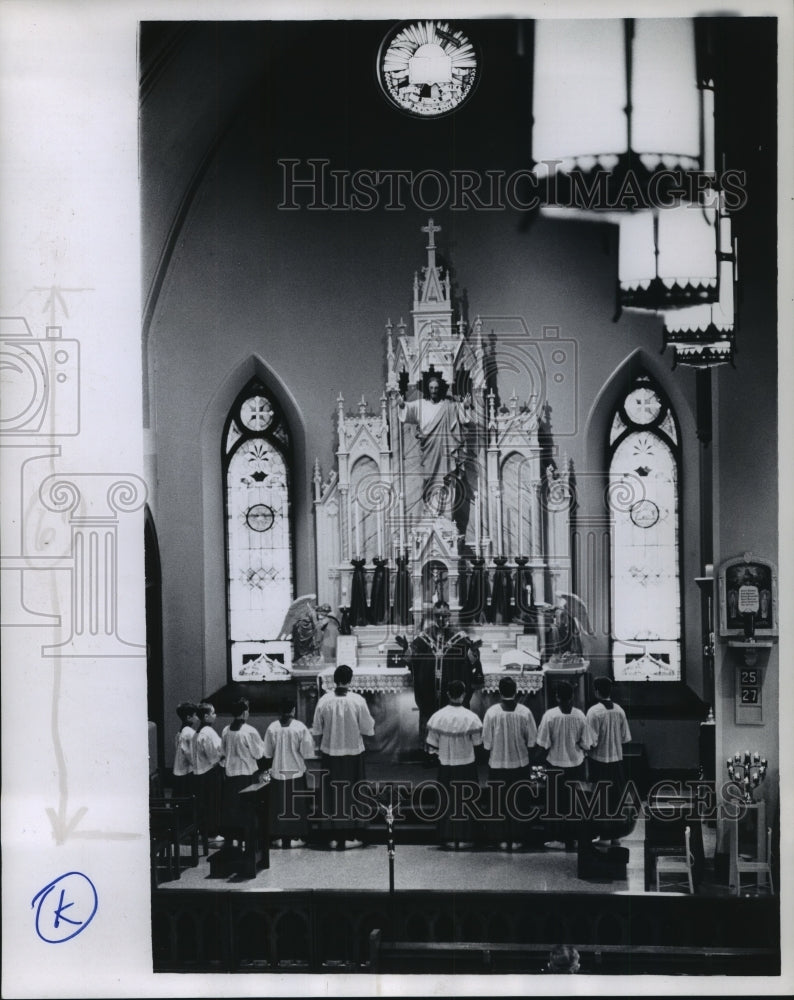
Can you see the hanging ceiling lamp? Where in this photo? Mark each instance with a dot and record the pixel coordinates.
(624, 133)
(617, 104)
(668, 257)
(703, 336)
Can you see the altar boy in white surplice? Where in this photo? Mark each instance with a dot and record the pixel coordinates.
(288, 744)
(508, 734)
(566, 735)
(452, 734)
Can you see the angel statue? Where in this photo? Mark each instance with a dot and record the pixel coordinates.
(569, 621)
(313, 631)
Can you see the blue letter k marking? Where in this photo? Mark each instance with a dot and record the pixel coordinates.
(59, 912)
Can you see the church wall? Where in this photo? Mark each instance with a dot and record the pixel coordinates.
(222, 302)
(308, 293)
(747, 521)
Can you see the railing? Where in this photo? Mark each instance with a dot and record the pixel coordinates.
(324, 932)
(530, 959)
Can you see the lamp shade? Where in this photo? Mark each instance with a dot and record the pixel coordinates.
(703, 335)
(668, 257)
(579, 93)
(617, 96)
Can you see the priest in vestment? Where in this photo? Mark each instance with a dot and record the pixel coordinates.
(438, 655)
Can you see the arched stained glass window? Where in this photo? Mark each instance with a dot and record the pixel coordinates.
(256, 460)
(644, 461)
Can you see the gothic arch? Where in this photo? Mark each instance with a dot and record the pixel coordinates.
(597, 424)
(212, 528)
(590, 524)
(154, 634)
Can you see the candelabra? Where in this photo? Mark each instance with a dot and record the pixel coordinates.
(748, 771)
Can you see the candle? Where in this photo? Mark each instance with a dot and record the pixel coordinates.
(349, 526)
(477, 522)
(358, 533)
(520, 520)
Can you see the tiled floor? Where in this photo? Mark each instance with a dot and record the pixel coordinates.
(425, 866)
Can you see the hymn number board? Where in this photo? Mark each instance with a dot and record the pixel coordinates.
(749, 694)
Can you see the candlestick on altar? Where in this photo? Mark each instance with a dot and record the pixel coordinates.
(520, 515)
(349, 526)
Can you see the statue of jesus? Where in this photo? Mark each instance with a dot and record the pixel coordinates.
(440, 432)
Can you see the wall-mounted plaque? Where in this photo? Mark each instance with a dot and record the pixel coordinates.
(748, 597)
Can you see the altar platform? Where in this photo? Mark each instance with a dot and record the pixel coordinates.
(317, 909)
(419, 866)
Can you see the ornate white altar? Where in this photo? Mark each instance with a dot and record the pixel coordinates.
(464, 506)
(508, 507)
(385, 680)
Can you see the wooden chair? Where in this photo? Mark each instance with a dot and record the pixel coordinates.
(179, 816)
(761, 868)
(678, 866)
(163, 859)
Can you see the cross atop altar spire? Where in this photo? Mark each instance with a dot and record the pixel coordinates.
(431, 231)
(432, 290)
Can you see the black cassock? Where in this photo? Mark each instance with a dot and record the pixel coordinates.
(525, 602)
(502, 596)
(437, 657)
(402, 592)
(475, 609)
(379, 597)
(358, 594)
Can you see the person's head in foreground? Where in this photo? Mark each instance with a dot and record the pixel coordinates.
(456, 692)
(563, 959)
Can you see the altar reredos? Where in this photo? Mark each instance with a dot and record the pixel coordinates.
(509, 514)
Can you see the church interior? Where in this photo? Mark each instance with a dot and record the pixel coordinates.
(602, 502)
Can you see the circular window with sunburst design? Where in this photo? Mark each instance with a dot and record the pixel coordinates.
(427, 68)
